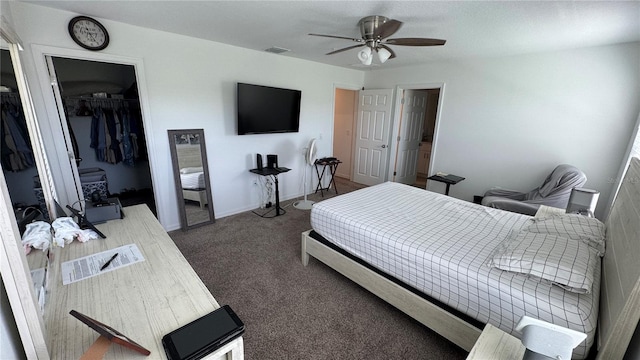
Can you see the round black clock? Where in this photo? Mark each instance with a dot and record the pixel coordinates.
(88, 33)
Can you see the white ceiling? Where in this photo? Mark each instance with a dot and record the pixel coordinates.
(471, 28)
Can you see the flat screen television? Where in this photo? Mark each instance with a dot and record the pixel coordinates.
(264, 109)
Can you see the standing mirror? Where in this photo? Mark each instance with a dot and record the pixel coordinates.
(191, 174)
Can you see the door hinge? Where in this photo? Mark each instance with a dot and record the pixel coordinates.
(395, 173)
(402, 101)
(399, 138)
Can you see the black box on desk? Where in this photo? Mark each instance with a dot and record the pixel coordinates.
(101, 212)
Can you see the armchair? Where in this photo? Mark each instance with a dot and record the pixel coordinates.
(554, 191)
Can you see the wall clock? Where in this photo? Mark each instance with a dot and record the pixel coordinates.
(88, 33)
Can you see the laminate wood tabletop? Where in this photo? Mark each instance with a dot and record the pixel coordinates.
(144, 301)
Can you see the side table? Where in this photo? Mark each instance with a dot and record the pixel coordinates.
(447, 179)
(332, 165)
(273, 172)
(496, 344)
(547, 211)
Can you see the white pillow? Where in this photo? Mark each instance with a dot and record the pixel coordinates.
(573, 226)
(191, 170)
(567, 263)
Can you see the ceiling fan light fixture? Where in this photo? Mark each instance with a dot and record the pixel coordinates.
(364, 56)
(383, 55)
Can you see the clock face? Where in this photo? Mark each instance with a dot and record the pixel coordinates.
(88, 33)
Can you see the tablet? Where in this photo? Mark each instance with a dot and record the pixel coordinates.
(204, 335)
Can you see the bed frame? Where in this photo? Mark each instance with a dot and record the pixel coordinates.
(199, 195)
(620, 289)
(190, 156)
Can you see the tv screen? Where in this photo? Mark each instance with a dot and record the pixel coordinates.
(263, 109)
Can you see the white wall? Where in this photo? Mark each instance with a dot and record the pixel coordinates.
(509, 121)
(191, 84)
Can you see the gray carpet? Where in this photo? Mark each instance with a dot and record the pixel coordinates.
(295, 312)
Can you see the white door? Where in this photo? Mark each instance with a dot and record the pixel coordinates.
(371, 157)
(414, 107)
(71, 181)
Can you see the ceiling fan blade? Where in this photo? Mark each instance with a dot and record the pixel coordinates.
(415, 42)
(393, 54)
(387, 29)
(344, 49)
(337, 37)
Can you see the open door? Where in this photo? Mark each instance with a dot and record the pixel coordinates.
(72, 178)
(371, 158)
(414, 106)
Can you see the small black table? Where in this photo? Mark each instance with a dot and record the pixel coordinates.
(273, 172)
(447, 179)
(332, 164)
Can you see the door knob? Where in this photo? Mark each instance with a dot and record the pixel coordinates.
(384, 146)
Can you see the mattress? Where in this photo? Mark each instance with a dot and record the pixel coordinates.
(192, 181)
(440, 246)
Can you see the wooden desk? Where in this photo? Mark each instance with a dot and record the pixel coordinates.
(496, 344)
(144, 301)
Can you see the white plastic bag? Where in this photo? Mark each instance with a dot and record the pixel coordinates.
(37, 235)
(66, 230)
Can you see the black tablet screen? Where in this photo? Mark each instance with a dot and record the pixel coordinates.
(193, 338)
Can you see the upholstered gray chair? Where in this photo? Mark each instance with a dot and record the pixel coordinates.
(554, 191)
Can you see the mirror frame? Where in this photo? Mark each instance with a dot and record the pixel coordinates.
(14, 267)
(176, 176)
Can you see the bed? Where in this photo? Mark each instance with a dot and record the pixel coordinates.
(193, 185)
(192, 178)
(440, 274)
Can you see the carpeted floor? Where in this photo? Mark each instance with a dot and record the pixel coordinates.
(295, 312)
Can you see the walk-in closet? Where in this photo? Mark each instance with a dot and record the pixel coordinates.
(106, 129)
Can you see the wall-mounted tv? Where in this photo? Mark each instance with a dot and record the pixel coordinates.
(264, 109)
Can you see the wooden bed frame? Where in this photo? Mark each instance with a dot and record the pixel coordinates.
(620, 288)
(198, 195)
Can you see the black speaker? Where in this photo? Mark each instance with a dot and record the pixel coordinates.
(259, 163)
(272, 161)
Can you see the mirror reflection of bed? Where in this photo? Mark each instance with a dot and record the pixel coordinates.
(192, 181)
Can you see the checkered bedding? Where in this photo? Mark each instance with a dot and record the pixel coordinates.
(192, 181)
(441, 246)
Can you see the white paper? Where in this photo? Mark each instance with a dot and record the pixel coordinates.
(37, 277)
(89, 266)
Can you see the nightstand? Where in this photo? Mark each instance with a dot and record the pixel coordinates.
(496, 344)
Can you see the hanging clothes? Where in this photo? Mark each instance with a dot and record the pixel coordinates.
(126, 143)
(116, 133)
(17, 154)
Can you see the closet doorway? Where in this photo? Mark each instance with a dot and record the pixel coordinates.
(344, 114)
(105, 129)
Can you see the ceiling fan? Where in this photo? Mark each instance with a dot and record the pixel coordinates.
(375, 30)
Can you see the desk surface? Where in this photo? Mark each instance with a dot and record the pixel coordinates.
(269, 171)
(447, 179)
(144, 301)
